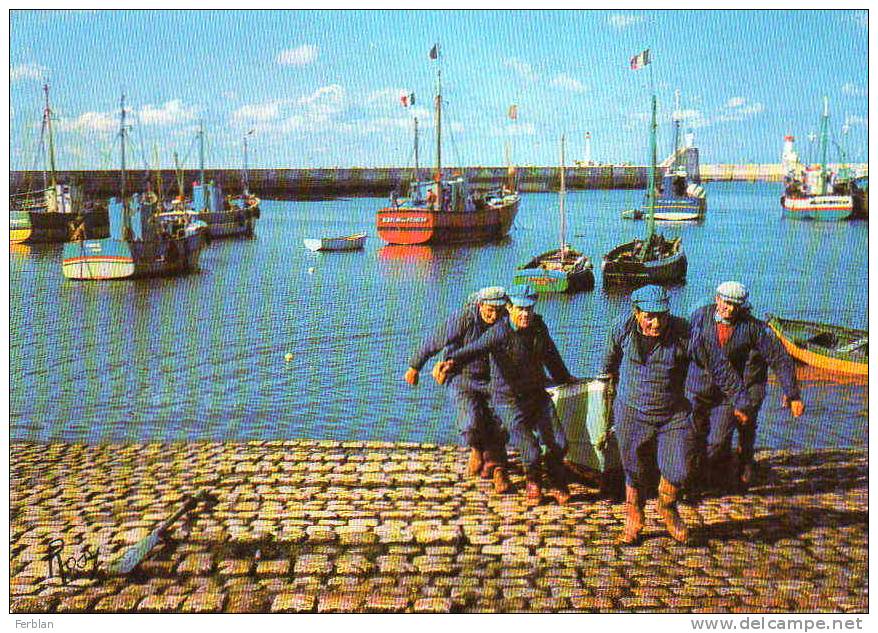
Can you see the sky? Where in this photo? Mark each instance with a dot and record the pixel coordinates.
(322, 88)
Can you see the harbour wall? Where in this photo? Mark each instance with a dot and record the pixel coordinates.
(366, 181)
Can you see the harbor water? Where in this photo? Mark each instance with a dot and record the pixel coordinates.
(204, 356)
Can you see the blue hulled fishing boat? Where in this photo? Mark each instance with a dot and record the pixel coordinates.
(681, 197)
(144, 241)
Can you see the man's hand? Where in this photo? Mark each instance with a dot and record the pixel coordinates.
(741, 417)
(411, 376)
(440, 371)
(797, 407)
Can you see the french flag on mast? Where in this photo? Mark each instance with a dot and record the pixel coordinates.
(639, 61)
(407, 99)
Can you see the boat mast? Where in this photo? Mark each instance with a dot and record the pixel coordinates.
(417, 166)
(676, 117)
(48, 119)
(650, 185)
(562, 195)
(179, 175)
(201, 165)
(126, 212)
(438, 178)
(824, 125)
(244, 176)
(158, 177)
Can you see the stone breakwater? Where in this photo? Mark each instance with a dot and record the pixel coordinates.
(324, 526)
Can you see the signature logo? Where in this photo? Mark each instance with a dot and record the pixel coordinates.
(82, 564)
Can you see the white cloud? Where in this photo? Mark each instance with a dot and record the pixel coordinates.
(27, 71)
(167, 114)
(854, 90)
(567, 82)
(523, 69)
(515, 129)
(853, 119)
(299, 56)
(324, 101)
(742, 110)
(860, 18)
(735, 102)
(91, 122)
(624, 20)
(386, 96)
(258, 111)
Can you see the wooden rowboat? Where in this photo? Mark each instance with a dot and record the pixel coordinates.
(347, 243)
(830, 347)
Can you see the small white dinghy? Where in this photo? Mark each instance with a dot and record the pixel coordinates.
(348, 243)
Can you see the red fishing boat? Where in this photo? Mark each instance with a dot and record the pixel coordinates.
(444, 210)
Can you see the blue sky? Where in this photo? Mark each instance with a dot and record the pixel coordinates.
(322, 88)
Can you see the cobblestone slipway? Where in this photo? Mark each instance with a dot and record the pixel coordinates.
(324, 526)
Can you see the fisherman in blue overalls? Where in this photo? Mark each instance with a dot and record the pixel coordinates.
(649, 353)
(470, 389)
(521, 349)
(727, 328)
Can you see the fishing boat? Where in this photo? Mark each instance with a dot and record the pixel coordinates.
(144, 240)
(681, 197)
(562, 269)
(348, 243)
(224, 216)
(444, 210)
(57, 212)
(860, 194)
(654, 259)
(829, 347)
(812, 196)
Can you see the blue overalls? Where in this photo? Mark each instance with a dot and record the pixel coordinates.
(751, 348)
(468, 389)
(650, 413)
(518, 381)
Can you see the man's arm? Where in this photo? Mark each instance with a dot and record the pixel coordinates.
(449, 332)
(613, 353)
(482, 345)
(724, 375)
(783, 367)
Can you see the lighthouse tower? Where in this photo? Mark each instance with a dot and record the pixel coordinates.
(789, 159)
(587, 160)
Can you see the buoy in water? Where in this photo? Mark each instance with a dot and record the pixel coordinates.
(311, 270)
(288, 357)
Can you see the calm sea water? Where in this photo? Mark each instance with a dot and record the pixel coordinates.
(202, 357)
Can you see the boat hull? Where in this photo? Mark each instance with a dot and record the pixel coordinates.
(230, 223)
(550, 281)
(116, 259)
(350, 243)
(682, 209)
(800, 338)
(37, 227)
(819, 208)
(397, 225)
(670, 269)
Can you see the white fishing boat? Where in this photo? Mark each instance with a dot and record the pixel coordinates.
(348, 243)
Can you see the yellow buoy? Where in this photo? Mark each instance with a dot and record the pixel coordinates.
(288, 357)
(311, 271)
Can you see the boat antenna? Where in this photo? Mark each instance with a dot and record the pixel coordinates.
(562, 195)
(48, 122)
(435, 55)
(158, 176)
(417, 165)
(122, 133)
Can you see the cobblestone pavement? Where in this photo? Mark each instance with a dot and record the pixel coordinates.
(324, 526)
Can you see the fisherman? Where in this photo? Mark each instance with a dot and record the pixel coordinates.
(727, 328)
(649, 353)
(470, 389)
(521, 349)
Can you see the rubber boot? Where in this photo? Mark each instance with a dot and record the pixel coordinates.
(501, 481)
(667, 509)
(557, 485)
(533, 486)
(474, 465)
(491, 461)
(634, 518)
